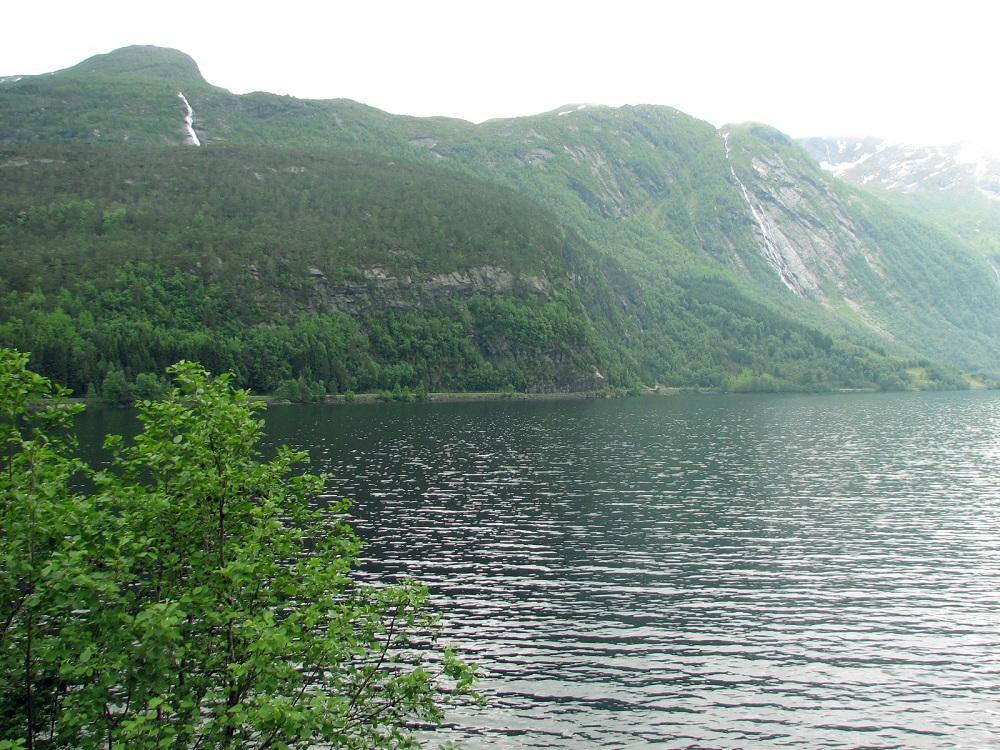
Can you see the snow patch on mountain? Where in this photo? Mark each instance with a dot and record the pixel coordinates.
(841, 167)
(907, 167)
(190, 137)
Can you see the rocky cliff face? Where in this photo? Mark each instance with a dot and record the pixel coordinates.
(808, 230)
(902, 279)
(382, 287)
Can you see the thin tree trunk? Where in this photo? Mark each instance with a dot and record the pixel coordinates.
(232, 696)
(29, 679)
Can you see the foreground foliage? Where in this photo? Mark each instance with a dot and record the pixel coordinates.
(196, 597)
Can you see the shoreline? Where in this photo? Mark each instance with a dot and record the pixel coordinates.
(455, 397)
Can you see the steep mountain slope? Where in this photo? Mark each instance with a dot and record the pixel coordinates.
(902, 277)
(956, 186)
(669, 195)
(130, 257)
(128, 96)
(363, 274)
(695, 256)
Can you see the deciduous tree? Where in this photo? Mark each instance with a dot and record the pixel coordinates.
(203, 599)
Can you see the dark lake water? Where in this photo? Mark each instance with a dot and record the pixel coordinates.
(692, 572)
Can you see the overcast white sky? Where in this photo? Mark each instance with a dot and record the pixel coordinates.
(923, 72)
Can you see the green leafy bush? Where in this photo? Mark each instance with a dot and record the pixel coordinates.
(198, 597)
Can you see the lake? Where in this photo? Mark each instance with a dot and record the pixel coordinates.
(691, 571)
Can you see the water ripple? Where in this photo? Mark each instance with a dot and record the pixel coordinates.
(707, 572)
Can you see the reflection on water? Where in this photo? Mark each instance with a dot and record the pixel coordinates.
(712, 571)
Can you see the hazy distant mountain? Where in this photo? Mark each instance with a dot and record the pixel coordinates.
(907, 168)
(956, 186)
(674, 252)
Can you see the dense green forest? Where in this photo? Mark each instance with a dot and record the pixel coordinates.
(316, 247)
(338, 272)
(345, 272)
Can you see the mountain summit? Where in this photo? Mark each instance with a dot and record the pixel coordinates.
(584, 246)
(141, 61)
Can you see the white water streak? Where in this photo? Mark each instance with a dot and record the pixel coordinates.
(771, 255)
(190, 137)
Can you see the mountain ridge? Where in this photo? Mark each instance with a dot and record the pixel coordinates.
(665, 198)
(141, 61)
(907, 167)
(956, 186)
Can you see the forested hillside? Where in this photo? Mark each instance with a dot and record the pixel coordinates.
(341, 248)
(342, 269)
